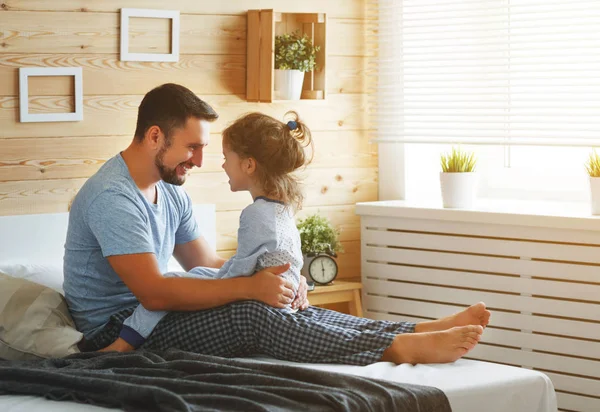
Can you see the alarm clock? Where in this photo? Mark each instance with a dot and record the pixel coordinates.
(323, 269)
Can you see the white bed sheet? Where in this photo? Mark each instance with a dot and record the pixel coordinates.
(471, 386)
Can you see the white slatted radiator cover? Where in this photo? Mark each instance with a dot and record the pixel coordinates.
(540, 276)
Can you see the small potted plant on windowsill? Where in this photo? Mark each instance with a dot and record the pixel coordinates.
(320, 244)
(593, 168)
(295, 54)
(458, 179)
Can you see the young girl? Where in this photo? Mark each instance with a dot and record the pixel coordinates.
(260, 154)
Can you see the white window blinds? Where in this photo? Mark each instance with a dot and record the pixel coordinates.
(519, 72)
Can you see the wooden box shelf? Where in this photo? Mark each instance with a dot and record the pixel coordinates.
(263, 26)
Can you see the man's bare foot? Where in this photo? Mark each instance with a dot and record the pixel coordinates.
(433, 347)
(476, 314)
(119, 345)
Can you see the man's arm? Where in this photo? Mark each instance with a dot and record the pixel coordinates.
(197, 253)
(141, 274)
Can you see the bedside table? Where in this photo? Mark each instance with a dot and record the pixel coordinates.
(338, 291)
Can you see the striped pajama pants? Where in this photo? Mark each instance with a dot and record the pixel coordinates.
(251, 328)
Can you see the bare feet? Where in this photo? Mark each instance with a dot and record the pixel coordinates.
(476, 314)
(119, 345)
(433, 347)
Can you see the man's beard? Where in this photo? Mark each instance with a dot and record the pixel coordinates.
(166, 174)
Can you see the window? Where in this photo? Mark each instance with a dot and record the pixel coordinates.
(518, 81)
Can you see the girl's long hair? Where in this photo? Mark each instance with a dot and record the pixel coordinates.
(277, 147)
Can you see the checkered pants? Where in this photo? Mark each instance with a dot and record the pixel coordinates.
(248, 328)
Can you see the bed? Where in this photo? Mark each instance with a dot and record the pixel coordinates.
(469, 385)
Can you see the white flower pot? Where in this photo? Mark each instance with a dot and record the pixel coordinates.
(595, 195)
(288, 84)
(458, 189)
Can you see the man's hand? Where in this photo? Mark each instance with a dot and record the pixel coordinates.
(301, 301)
(270, 288)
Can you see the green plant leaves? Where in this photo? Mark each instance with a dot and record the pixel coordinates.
(593, 164)
(295, 52)
(318, 235)
(458, 161)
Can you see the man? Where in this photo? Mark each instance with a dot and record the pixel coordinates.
(132, 215)
(129, 218)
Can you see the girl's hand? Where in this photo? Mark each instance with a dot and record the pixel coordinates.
(301, 301)
(270, 288)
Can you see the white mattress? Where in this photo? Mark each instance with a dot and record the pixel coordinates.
(471, 386)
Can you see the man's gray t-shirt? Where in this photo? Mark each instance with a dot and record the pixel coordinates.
(110, 216)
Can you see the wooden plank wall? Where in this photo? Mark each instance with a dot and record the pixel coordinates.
(42, 165)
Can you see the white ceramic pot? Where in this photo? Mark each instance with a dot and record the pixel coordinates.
(458, 189)
(288, 84)
(595, 195)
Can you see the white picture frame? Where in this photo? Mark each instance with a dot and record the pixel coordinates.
(26, 72)
(127, 13)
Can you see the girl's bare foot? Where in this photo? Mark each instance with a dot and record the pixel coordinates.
(476, 314)
(119, 345)
(433, 347)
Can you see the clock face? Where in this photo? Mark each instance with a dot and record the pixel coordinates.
(323, 269)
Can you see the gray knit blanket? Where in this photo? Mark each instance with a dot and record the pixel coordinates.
(183, 381)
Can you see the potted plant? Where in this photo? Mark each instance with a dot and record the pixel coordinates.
(294, 55)
(593, 168)
(458, 179)
(318, 237)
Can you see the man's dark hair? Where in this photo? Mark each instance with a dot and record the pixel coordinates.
(169, 106)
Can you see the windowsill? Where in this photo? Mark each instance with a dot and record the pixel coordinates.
(562, 215)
